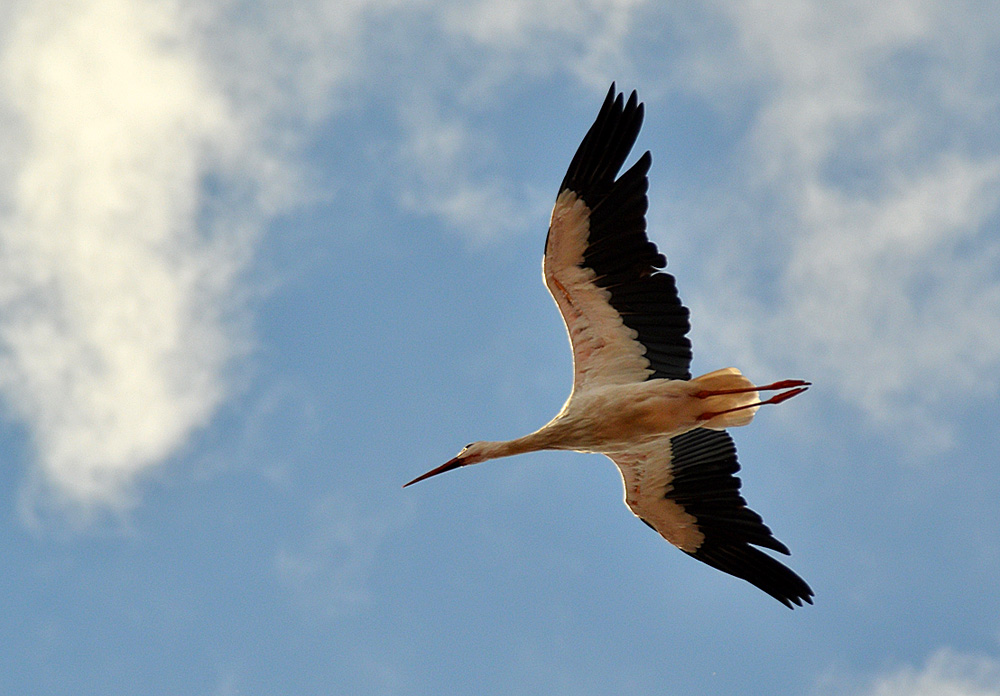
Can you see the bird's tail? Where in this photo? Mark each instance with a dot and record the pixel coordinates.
(729, 399)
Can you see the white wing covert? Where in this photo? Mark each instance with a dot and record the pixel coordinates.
(625, 320)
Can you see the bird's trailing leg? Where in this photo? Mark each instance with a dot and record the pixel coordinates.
(799, 387)
(783, 384)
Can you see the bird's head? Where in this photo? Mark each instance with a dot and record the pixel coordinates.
(471, 454)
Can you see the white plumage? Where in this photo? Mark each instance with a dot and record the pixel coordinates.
(633, 397)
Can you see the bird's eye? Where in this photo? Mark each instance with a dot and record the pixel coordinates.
(467, 446)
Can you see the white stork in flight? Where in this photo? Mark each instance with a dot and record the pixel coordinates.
(633, 397)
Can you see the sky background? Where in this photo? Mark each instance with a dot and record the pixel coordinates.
(262, 263)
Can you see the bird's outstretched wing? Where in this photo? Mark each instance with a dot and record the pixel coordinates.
(625, 320)
(686, 489)
(626, 324)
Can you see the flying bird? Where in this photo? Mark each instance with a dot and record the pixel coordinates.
(633, 397)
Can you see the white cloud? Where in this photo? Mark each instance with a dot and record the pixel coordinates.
(144, 143)
(293, 62)
(946, 673)
(119, 268)
(585, 38)
(903, 293)
(449, 156)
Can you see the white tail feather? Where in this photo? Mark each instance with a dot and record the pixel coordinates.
(726, 379)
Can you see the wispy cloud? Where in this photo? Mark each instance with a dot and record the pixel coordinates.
(861, 250)
(329, 569)
(946, 673)
(875, 255)
(586, 39)
(446, 167)
(449, 158)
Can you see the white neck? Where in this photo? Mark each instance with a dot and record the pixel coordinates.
(533, 442)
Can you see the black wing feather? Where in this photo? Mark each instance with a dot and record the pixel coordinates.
(625, 262)
(705, 485)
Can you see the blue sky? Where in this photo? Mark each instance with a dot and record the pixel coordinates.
(262, 264)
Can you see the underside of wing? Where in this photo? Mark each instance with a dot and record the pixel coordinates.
(688, 491)
(624, 317)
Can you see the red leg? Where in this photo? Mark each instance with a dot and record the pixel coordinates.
(783, 384)
(776, 399)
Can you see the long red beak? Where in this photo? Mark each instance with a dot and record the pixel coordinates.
(447, 466)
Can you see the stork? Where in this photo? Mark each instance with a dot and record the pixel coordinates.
(633, 398)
